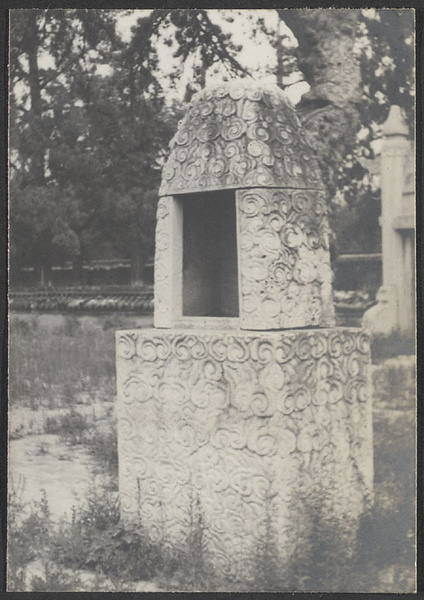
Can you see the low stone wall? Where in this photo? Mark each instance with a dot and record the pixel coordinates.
(83, 299)
(241, 439)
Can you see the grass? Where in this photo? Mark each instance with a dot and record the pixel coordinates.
(394, 345)
(55, 366)
(57, 360)
(74, 428)
(65, 366)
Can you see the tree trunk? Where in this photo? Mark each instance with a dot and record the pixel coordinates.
(32, 46)
(325, 54)
(326, 57)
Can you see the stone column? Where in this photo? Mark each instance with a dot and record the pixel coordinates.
(394, 311)
(393, 155)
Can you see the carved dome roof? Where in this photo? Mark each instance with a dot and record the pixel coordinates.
(239, 135)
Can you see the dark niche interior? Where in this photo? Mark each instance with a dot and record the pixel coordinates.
(210, 275)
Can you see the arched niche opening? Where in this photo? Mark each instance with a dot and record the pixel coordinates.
(209, 244)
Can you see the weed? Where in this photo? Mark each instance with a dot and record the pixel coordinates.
(43, 449)
(54, 578)
(95, 539)
(124, 554)
(394, 384)
(331, 542)
(316, 548)
(28, 534)
(17, 432)
(386, 533)
(71, 326)
(71, 426)
(269, 576)
(67, 395)
(103, 445)
(52, 425)
(29, 543)
(184, 567)
(34, 540)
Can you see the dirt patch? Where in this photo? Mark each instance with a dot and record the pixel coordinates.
(65, 473)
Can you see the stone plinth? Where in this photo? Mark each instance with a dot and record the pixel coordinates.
(238, 436)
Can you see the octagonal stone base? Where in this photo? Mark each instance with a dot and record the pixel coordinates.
(241, 440)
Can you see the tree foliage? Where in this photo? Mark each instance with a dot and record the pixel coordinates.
(90, 121)
(90, 128)
(358, 64)
(86, 136)
(385, 51)
(387, 67)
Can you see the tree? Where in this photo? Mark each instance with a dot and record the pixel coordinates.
(83, 139)
(358, 64)
(325, 56)
(386, 58)
(88, 141)
(44, 96)
(90, 128)
(41, 234)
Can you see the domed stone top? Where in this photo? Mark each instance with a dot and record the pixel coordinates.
(239, 135)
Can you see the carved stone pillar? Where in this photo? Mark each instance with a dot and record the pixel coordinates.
(395, 310)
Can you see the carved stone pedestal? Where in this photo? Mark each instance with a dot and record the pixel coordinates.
(239, 439)
(244, 419)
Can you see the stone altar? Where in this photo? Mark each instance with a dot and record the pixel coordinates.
(244, 411)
